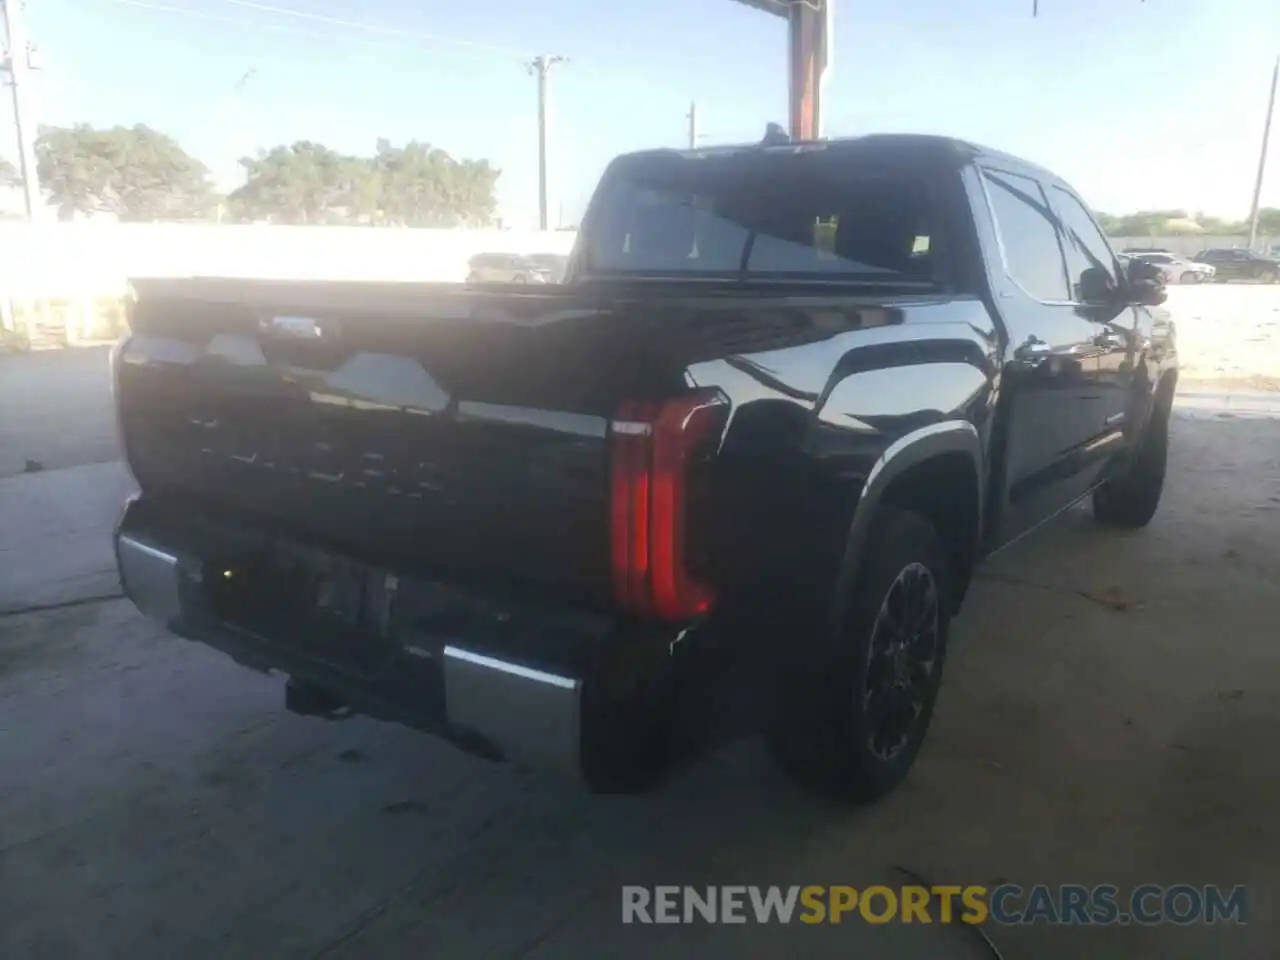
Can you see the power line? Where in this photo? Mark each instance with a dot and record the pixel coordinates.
(394, 37)
(386, 35)
(400, 33)
(375, 27)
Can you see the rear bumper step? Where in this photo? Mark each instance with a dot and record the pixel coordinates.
(495, 707)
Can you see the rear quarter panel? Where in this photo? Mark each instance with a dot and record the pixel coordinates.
(818, 428)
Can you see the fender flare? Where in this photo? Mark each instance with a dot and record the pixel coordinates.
(909, 450)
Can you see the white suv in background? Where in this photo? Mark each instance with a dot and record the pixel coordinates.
(1177, 269)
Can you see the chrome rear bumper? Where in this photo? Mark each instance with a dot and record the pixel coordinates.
(518, 712)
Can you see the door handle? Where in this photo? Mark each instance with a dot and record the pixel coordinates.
(1033, 353)
(1112, 339)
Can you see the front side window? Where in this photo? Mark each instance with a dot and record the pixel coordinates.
(1086, 248)
(1028, 235)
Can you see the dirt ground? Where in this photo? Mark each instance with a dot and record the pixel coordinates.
(1110, 716)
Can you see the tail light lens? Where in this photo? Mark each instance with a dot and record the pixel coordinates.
(652, 448)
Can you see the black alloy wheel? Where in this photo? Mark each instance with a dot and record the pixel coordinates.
(902, 656)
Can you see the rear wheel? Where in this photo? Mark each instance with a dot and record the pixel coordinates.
(1132, 498)
(852, 723)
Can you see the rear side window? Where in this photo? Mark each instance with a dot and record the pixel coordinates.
(1028, 235)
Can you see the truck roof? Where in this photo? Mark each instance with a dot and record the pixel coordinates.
(920, 147)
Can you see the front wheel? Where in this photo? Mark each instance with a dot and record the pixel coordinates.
(852, 722)
(1189, 276)
(1132, 498)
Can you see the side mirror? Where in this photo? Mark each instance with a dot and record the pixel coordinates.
(1096, 286)
(1145, 283)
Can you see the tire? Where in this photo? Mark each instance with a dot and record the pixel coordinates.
(1131, 499)
(1270, 276)
(1189, 276)
(825, 733)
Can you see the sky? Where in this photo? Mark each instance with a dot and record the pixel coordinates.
(1140, 105)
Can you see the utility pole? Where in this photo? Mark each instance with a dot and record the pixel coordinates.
(17, 62)
(540, 67)
(692, 117)
(1262, 158)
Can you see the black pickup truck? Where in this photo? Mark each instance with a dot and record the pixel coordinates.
(731, 477)
(1233, 263)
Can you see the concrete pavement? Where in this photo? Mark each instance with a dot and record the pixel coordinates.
(55, 534)
(1109, 716)
(55, 409)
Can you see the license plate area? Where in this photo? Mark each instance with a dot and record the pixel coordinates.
(321, 605)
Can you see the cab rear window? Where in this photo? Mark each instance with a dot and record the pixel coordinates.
(763, 217)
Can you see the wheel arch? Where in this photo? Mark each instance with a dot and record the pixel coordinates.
(937, 471)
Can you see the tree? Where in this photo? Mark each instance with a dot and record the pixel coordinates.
(8, 174)
(1216, 226)
(305, 183)
(422, 186)
(1147, 223)
(134, 172)
(1108, 222)
(1162, 223)
(1269, 221)
(415, 185)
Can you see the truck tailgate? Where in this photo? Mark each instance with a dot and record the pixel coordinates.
(418, 426)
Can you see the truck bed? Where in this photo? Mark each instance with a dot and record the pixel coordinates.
(426, 427)
(409, 431)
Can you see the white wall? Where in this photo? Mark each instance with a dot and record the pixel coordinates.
(68, 260)
(87, 258)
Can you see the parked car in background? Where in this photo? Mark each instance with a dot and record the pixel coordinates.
(1177, 269)
(1239, 264)
(505, 268)
(555, 264)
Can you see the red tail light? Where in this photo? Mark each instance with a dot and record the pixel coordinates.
(651, 447)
